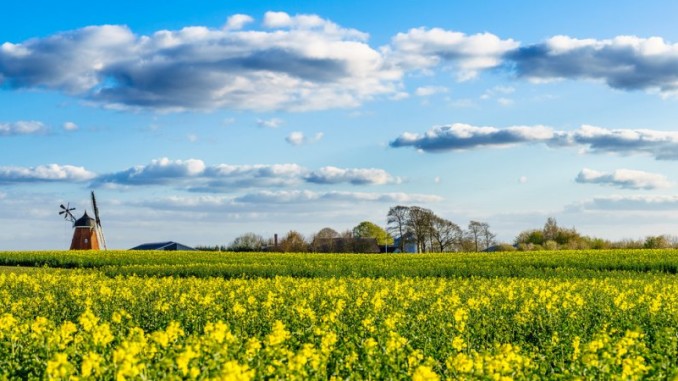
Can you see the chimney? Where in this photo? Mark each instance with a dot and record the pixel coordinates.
(275, 241)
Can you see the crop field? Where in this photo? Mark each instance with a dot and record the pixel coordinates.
(499, 316)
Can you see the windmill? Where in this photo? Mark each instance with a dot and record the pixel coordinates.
(87, 231)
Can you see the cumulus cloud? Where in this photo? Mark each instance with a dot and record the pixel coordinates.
(28, 127)
(194, 175)
(44, 173)
(461, 136)
(237, 21)
(424, 49)
(304, 63)
(356, 176)
(623, 62)
(298, 138)
(662, 145)
(624, 178)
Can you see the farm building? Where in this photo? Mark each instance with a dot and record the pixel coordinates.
(168, 246)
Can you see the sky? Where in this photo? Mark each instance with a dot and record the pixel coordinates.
(198, 121)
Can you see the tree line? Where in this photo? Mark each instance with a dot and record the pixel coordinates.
(419, 230)
(409, 229)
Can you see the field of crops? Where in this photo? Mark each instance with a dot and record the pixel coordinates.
(119, 315)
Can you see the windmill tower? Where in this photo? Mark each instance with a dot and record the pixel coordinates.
(87, 231)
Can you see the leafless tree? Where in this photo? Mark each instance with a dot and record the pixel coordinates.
(446, 235)
(397, 220)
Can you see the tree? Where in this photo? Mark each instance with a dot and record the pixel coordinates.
(396, 219)
(247, 242)
(479, 235)
(550, 229)
(419, 223)
(487, 237)
(293, 242)
(551, 237)
(323, 240)
(657, 242)
(327, 233)
(446, 234)
(367, 229)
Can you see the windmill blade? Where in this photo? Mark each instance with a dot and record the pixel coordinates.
(95, 209)
(66, 211)
(100, 230)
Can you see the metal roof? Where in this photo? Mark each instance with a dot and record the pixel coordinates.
(169, 245)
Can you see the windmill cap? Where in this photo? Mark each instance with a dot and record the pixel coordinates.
(85, 222)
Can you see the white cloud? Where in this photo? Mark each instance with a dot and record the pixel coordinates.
(237, 21)
(306, 63)
(423, 49)
(159, 171)
(426, 91)
(662, 145)
(522, 179)
(270, 123)
(624, 178)
(194, 175)
(28, 127)
(461, 136)
(44, 173)
(356, 176)
(298, 138)
(70, 126)
(623, 62)
(295, 138)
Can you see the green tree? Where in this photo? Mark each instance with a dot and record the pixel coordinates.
(367, 229)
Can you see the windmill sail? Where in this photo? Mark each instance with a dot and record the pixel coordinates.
(100, 230)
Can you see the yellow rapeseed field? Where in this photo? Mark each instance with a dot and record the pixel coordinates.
(82, 324)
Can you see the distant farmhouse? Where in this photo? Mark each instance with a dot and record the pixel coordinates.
(168, 246)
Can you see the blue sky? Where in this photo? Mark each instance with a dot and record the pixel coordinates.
(199, 121)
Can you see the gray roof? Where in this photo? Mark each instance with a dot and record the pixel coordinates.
(85, 222)
(169, 245)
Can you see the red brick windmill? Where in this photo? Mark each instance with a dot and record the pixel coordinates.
(87, 231)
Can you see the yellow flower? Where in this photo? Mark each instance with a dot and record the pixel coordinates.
(88, 320)
(91, 364)
(232, 371)
(370, 344)
(395, 342)
(39, 325)
(278, 334)
(59, 367)
(458, 343)
(102, 335)
(184, 358)
(425, 373)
